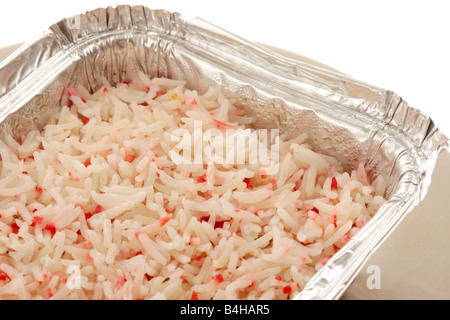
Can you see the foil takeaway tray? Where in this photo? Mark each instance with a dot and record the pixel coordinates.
(348, 119)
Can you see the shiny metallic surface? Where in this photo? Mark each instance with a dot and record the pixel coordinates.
(350, 120)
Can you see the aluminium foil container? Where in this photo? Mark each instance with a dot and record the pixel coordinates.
(348, 119)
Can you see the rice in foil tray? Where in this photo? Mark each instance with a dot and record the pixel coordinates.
(146, 157)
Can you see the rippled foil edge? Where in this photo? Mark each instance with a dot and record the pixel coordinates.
(25, 78)
(332, 280)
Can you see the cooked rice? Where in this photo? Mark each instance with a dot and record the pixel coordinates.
(93, 207)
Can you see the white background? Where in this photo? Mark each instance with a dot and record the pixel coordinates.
(400, 45)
